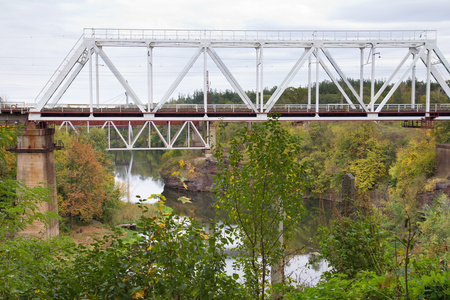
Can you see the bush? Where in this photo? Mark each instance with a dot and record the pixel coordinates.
(354, 244)
(173, 259)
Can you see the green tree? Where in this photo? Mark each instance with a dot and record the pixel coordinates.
(260, 187)
(441, 132)
(413, 161)
(8, 136)
(24, 260)
(360, 151)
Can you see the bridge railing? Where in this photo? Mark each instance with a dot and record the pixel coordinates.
(14, 107)
(259, 35)
(235, 108)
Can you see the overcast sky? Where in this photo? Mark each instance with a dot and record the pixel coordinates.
(35, 36)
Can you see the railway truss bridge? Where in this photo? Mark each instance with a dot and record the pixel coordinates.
(150, 119)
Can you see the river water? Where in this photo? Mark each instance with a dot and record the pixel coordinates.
(139, 172)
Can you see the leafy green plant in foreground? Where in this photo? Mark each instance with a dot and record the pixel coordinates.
(24, 261)
(260, 186)
(171, 258)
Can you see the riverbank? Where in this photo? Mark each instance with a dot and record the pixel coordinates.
(197, 174)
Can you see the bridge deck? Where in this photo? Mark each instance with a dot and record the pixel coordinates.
(228, 112)
(240, 112)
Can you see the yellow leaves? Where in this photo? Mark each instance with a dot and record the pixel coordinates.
(182, 179)
(204, 236)
(182, 164)
(162, 225)
(149, 248)
(184, 199)
(126, 279)
(138, 294)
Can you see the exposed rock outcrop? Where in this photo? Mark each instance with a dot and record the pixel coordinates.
(198, 174)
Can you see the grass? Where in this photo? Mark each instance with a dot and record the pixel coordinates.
(128, 212)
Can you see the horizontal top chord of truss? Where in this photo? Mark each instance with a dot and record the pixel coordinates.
(276, 37)
(315, 49)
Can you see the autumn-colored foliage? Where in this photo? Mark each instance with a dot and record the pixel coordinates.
(82, 181)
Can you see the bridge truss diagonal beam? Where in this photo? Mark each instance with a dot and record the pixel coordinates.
(295, 69)
(343, 93)
(394, 88)
(389, 80)
(132, 132)
(61, 75)
(119, 77)
(220, 64)
(178, 80)
(343, 78)
(68, 82)
(435, 72)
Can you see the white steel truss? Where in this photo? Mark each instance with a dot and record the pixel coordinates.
(420, 45)
(150, 136)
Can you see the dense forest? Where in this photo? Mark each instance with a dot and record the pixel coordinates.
(390, 241)
(329, 93)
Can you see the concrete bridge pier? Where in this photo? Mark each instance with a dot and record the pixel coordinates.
(197, 142)
(36, 164)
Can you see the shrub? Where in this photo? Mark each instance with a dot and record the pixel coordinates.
(354, 244)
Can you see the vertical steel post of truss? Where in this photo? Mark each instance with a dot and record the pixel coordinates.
(259, 78)
(317, 79)
(109, 135)
(261, 81)
(91, 91)
(428, 88)
(372, 82)
(361, 75)
(149, 134)
(188, 135)
(205, 80)
(309, 82)
(150, 77)
(168, 134)
(413, 84)
(130, 130)
(208, 137)
(97, 81)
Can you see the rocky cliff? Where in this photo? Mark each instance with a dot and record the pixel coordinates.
(197, 174)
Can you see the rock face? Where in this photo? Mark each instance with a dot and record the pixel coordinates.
(198, 174)
(443, 161)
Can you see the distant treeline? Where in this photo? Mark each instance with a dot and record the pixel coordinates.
(329, 93)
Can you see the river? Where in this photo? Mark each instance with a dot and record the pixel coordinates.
(139, 172)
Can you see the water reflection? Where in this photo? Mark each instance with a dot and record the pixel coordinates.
(139, 171)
